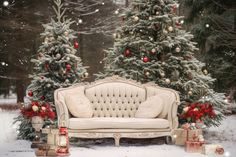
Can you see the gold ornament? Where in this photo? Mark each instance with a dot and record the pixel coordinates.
(147, 73)
(136, 18)
(167, 81)
(86, 74)
(177, 49)
(205, 71)
(170, 29)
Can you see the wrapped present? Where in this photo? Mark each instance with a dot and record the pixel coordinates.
(182, 135)
(213, 149)
(194, 146)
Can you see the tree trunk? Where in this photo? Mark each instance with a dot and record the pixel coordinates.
(20, 91)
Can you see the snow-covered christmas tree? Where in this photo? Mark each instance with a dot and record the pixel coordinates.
(151, 46)
(55, 65)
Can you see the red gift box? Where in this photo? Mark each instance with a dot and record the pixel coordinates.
(194, 146)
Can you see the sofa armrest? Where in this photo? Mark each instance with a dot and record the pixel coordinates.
(172, 114)
(61, 109)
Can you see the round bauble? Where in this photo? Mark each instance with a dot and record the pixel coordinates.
(145, 59)
(117, 12)
(127, 53)
(68, 67)
(76, 45)
(86, 74)
(147, 73)
(58, 56)
(150, 18)
(153, 50)
(136, 18)
(190, 93)
(167, 81)
(170, 29)
(42, 97)
(30, 93)
(205, 72)
(177, 49)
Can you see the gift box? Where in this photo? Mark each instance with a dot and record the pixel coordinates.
(182, 135)
(210, 149)
(194, 146)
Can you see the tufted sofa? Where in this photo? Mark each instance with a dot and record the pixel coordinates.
(114, 102)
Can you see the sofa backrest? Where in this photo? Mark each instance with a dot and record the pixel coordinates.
(115, 98)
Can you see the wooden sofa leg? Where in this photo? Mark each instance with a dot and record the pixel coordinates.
(117, 139)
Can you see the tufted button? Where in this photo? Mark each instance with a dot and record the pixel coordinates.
(134, 102)
(136, 108)
(131, 96)
(101, 109)
(125, 95)
(104, 101)
(122, 102)
(125, 109)
(107, 109)
(140, 102)
(98, 101)
(91, 101)
(119, 95)
(101, 95)
(113, 109)
(137, 95)
(131, 109)
(95, 95)
(117, 102)
(107, 94)
(113, 95)
(128, 102)
(110, 101)
(119, 108)
(95, 108)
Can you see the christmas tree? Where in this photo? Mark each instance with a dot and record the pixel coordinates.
(151, 46)
(214, 30)
(56, 65)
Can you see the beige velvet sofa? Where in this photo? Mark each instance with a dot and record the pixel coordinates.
(114, 102)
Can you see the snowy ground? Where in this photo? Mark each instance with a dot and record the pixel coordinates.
(10, 99)
(10, 147)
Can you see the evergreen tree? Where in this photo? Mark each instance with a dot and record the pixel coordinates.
(55, 66)
(213, 26)
(151, 46)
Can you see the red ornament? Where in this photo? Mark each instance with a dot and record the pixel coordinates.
(42, 97)
(68, 67)
(127, 53)
(76, 45)
(30, 93)
(178, 24)
(145, 59)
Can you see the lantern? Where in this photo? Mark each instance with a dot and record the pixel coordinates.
(63, 142)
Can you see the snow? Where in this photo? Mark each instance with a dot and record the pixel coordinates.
(224, 135)
(8, 100)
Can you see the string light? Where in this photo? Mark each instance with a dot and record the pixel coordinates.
(207, 25)
(5, 3)
(227, 154)
(97, 10)
(80, 21)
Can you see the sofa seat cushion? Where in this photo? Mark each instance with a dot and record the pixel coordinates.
(117, 123)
